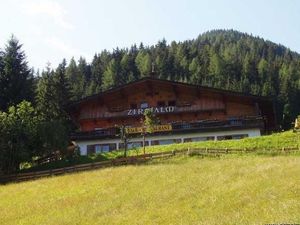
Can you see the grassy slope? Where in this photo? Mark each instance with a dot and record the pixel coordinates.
(274, 141)
(231, 190)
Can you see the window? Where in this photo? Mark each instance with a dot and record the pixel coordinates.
(90, 149)
(226, 137)
(97, 149)
(132, 145)
(161, 104)
(239, 136)
(229, 137)
(100, 148)
(199, 139)
(165, 142)
(187, 140)
(144, 105)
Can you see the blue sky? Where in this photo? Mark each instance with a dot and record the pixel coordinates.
(51, 30)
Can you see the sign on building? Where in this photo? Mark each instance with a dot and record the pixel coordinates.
(157, 128)
(166, 109)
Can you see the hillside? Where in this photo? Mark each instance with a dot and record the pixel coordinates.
(230, 190)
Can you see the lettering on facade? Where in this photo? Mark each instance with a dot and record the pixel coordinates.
(157, 128)
(166, 109)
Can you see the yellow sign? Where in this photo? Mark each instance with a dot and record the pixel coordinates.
(157, 128)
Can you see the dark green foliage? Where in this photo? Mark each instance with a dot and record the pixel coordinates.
(53, 94)
(19, 135)
(16, 79)
(25, 131)
(45, 95)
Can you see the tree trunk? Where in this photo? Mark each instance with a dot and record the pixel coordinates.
(125, 148)
(144, 140)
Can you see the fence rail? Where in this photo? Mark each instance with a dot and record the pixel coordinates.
(137, 160)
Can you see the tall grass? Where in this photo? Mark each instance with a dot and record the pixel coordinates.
(231, 190)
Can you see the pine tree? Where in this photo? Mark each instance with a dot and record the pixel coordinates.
(46, 99)
(110, 74)
(97, 70)
(62, 88)
(143, 62)
(84, 76)
(76, 80)
(16, 79)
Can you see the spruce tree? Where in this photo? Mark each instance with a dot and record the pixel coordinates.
(46, 99)
(16, 79)
(62, 88)
(110, 75)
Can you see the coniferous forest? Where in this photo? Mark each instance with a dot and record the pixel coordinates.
(223, 59)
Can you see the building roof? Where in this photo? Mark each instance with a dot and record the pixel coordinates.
(156, 80)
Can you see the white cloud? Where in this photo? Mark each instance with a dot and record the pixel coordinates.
(63, 47)
(49, 8)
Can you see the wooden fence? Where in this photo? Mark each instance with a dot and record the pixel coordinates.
(137, 160)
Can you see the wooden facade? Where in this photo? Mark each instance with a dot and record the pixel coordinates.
(186, 113)
(172, 102)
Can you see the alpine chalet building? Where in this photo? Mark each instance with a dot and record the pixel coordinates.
(186, 113)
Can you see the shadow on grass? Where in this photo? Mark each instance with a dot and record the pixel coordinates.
(66, 163)
(178, 159)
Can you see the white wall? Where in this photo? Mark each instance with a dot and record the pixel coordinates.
(250, 132)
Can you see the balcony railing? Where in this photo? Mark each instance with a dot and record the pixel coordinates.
(110, 132)
(213, 124)
(205, 125)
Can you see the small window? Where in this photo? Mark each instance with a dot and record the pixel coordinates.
(172, 103)
(133, 106)
(161, 104)
(144, 105)
(90, 149)
(98, 149)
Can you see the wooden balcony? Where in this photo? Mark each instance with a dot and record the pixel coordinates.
(233, 123)
(182, 127)
(95, 134)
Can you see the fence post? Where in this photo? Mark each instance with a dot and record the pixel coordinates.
(283, 149)
(226, 150)
(188, 151)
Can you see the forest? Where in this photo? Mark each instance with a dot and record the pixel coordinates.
(32, 103)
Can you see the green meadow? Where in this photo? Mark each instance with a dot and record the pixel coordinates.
(232, 189)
